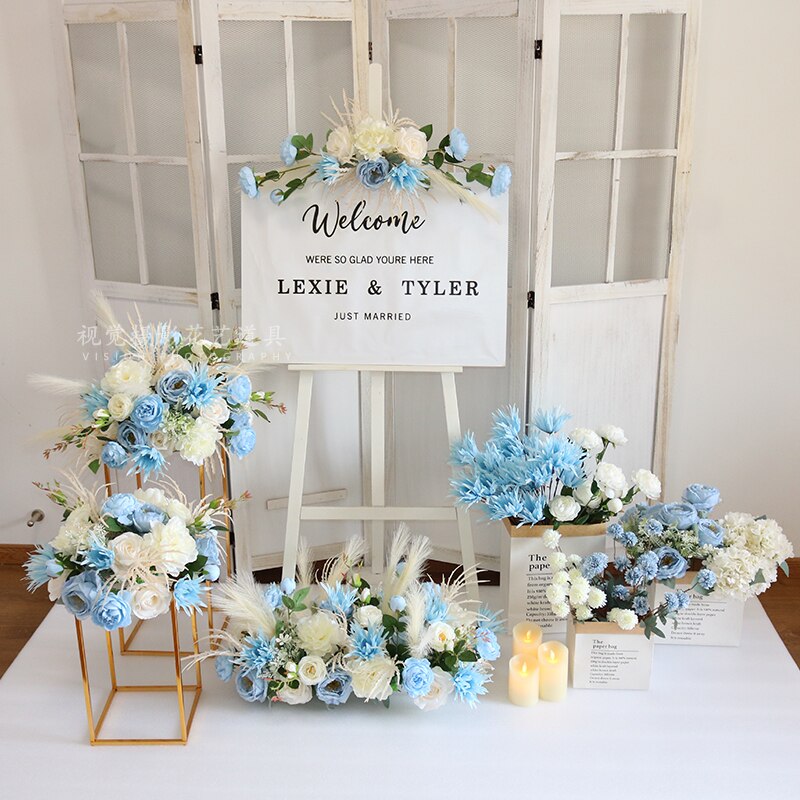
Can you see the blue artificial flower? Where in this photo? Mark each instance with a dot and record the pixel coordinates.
(99, 557)
(464, 451)
(247, 180)
(121, 506)
(621, 592)
(174, 385)
(654, 526)
(706, 579)
(702, 497)
(116, 357)
(622, 562)
(241, 419)
(619, 534)
(614, 530)
(148, 412)
(257, 651)
(532, 508)
(94, 400)
(649, 563)
(207, 545)
(131, 436)
(436, 608)
(146, 460)
(187, 594)
(224, 667)
(276, 195)
(684, 598)
(251, 687)
(54, 569)
(288, 151)
(145, 515)
(634, 576)
(469, 683)
(594, 565)
(710, 533)
(406, 177)
(288, 585)
(211, 572)
(671, 564)
(113, 455)
(373, 174)
(202, 389)
(328, 168)
(335, 688)
(506, 504)
(273, 596)
(80, 592)
(640, 605)
(630, 519)
(490, 619)
(459, 146)
(397, 603)
(550, 420)
(678, 515)
(417, 677)
(242, 442)
(486, 643)
(671, 602)
(470, 490)
(506, 423)
(175, 337)
(239, 390)
(36, 567)
(339, 599)
(366, 643)
(501, 180)
(112, 611)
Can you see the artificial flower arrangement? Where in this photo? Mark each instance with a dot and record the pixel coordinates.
(376, 154)
(131, 555)
(544, 476)
(341, 637)
(162, 394)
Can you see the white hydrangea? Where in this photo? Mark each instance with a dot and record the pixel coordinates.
(373, 137)
(200, 441)
(551, 538)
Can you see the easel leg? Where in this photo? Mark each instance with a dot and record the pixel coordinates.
(298, 473)
(377, 394)
(462, 515)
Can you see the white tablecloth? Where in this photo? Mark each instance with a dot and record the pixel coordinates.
(716, 723)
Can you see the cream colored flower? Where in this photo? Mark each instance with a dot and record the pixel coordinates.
(613, 434)
(175, 508)
(311, 670)
(120, 406)
(439, 693)
(75, 531)
(647, 483)
(216, 411)
(557, 561)
(555, 594)
(150, 600)
(611, 480)
(153, 496)
(551, 538)
(294, 697)
(441, 637)
(172, 545)
(55, 585)
(411, 144)
(372, 680)
(579, 592)
(583, 494)
(373, 138)
(340, 144)
(129, 376)
(614, 505)
(596, 598)
(564, 508)
(170, 363)
(624, 617)
(127, 549)
(586, 438)
(582, 613)
(200, 441)
(368, 615)
(320, 634)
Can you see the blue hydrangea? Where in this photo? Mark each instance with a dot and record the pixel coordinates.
(458, 146)
(684, 598)
(187, 593)
(671, 602)
(550, 420)
(36, 566)
(469, 683)
(622, 563)
(706, 579)
(340, 598)
(594, 565)
(634, 576)
(654, 526)
(501, 180)
(366, 643)
(640, 605)
(619, 534)
(620, 592)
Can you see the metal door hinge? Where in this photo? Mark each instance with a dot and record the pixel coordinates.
(215, 301)
(369, 51)
(531, 299)
(537, 49)
(198, 54)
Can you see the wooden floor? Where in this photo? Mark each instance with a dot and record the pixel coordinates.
(22, 611)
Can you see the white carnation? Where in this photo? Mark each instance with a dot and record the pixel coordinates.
(320, 634)
(129, 376)
(441, 689)
(647, 483)
(372, 680)
(551, 538)
(582, 613)
(411, 144)
(587, 439)
(557, 561)
(441, 637)
(596, 598)
(294, 697)
(120, 406)
(340, 144)
(311, 670)
(200, 441)
(564, 508)
(624, 617)
(216, 411)
(172, 546)
(150, 600)
(561, 610)
(368, 615)
(579, 591)
(613, 434)
(611, 480)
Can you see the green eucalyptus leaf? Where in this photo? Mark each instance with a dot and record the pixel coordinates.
(427, 130)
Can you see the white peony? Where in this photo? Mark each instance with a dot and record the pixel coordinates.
(557, 561)
(127, 549)
(624, 617)
(613, 434)
(582, 613)
(294, 697)
(150, 600)
(614, 505)
(587, 439)
(216, 411)
(373, 138)
(579, 592)
(594, 503)
(129, 376)
(340, 144)
(175, 508)
(171, 363)
(551, 538)
(647, 483)
(441, 637)
(311, 670)
(372, 680)
(320, 634)
(439, 693)
(611, 480)
(564, 508)
(154, 496)
(596, 598)
(411, 144)
(172, 545)
(368, 615)
(583, 494)
(120, 406)
(200, 441)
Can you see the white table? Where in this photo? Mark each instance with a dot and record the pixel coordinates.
(716, 723)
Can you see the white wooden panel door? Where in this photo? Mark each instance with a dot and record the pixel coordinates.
(613, 161)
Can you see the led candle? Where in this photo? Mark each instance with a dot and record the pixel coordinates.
(553, 665)
(523, 680)
(527, 638)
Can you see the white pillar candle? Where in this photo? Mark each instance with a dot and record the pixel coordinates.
(527, 638)
(553, 666)
(523, 680)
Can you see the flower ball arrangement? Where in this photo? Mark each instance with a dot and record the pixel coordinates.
(130, 556)
(342, 638)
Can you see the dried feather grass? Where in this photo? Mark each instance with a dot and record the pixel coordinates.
(336, 569)
(415, 621)
(64, 387)
(414, 552)
(241, 599)
(305, 564)
(461, 193)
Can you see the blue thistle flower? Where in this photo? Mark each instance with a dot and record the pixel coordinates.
(256, 653)
(36, 567)
(187, 594)
(550, 420)
(340, 599)
(366, 643)
(469, 683)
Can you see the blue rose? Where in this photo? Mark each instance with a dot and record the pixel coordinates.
(671, 564)
(145, 515)
(148, 412)
(273, 595)
(417, 677)
(99, 557)
(80, 592)
(113, 455)
(247, 180)
(251, 687)
(288, 151)
(702, 497)
(174, 385)
(459, 146)
(112, 611)
(224, 667)
(397, 603)
(486, 644)
(121, 507)
(211, 572)
(242, 442)
(288, 585)
(678, 515)
(335, 688)
(207, 546)
(373, 173)
(131, 436)
(710, 533)
(501, 180)
(239, 390)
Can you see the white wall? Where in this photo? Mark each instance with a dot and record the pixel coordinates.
(735, 414)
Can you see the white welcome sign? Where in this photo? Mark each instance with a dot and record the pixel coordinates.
(331, 278)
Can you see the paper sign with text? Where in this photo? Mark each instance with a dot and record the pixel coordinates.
(329, 278)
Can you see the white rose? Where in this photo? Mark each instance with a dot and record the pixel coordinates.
(583, 494)
(150, 600)
(55, 585)
(411, 144)
(596, 598)
(624, 617)
(373, 138)
(564, 509)
(153, 496)
(320, 634)
(175, 508)
(614, 505)
(294, 697)
(611, 480)
(199, 347)
(557, 561)
(441, 637)
(200, 441)
(372, 680)
(368, 615)
(120, 406)
(647, 483)
(172, 545)
(593, 503)
(129, 376)
(587, 439)
(551, 538)
(127, 549)
(439, 693)
(340, 144)
(216, 411)
(582, 613)
(171, 363)
(561, 610)
(613, 434)
(311, 670)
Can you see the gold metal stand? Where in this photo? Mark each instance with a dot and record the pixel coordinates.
(179, 687)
